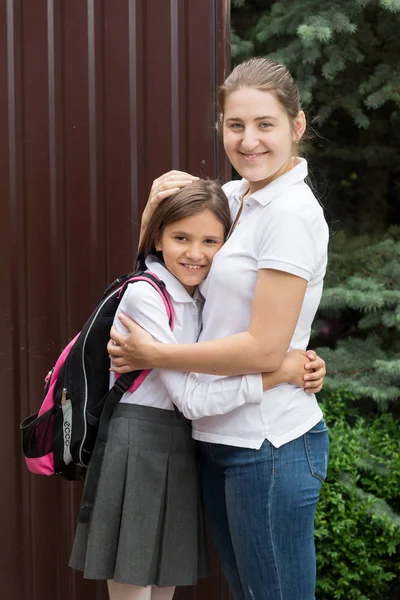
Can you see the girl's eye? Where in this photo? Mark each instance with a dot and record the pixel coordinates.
(180, 238)
(210, 241)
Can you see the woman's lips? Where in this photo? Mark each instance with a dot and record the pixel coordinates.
(252, 157)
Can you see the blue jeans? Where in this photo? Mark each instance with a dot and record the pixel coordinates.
(260, 505)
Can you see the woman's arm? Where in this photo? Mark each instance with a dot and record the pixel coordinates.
(195, 397)
(277, 303)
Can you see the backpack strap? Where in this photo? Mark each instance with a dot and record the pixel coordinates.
(122, 384)
(115, 394)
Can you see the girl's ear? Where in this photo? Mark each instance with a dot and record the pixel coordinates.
(158, 244)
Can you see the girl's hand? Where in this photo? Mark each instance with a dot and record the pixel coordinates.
(131, 351)
(314, 380)
(303, 369)
(162, 188)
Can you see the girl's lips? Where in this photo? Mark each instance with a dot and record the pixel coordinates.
(192, 268)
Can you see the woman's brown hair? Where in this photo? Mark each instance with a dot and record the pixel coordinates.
(189, 201)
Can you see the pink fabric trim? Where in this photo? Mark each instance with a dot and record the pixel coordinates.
(48, 401)
(170, 314)
(44, 465)
(167, 301)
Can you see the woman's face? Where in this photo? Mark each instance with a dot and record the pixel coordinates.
(258, 135)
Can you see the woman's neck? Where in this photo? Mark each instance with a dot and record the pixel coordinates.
(255, 186)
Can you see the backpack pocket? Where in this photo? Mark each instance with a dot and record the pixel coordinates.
(38, 442)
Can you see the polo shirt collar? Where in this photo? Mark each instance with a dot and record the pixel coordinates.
(174, 287)
(267, 193)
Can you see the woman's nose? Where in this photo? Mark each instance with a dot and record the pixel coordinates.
(249, 140)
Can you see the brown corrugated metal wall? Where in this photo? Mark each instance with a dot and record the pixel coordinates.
(97, 97)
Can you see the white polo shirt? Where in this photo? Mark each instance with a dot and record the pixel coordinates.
(281, 227)
(162, 388)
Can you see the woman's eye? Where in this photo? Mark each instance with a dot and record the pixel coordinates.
(265, 125)
(236, 126)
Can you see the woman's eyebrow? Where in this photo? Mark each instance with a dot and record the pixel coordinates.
(264, 118)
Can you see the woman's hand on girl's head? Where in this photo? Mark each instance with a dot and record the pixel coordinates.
(131, 351)
(162, 188)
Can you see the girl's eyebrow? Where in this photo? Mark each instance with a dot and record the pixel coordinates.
(209, 237)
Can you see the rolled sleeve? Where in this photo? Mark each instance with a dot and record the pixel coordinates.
(197, 398)
(255, 388)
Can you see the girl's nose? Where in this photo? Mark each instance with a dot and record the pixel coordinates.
(194, 252)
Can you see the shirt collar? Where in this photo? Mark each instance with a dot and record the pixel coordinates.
(268, 193)
(174, 287)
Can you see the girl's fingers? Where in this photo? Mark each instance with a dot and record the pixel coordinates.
(315, 375)
(316, 365)
(315, 389)
(316, 382)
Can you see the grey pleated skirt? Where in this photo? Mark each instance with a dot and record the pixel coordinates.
(147, 523)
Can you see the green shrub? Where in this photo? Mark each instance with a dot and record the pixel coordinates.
(357, 528)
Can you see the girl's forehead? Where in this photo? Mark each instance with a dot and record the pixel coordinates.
(204, 219)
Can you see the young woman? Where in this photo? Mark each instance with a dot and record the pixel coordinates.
(262, 464)
(146, 533)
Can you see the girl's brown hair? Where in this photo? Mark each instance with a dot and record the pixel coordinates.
(189, 201)
(265, 75)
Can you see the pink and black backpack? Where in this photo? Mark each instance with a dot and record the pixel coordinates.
(72, 422)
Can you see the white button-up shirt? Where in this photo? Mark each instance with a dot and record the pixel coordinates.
(281, 227)
(161, 388)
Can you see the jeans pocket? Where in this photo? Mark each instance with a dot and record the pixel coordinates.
(317, 449)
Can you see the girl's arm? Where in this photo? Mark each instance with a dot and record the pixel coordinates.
(197, 398)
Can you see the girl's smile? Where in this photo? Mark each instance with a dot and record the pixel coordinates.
(188, 247)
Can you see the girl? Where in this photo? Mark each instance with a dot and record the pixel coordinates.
(262, 464)
(146, 533)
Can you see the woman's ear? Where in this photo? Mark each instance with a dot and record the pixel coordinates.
(299, 126)
(219, 124)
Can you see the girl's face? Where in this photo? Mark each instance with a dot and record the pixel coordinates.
(259, 136)
(188, 247)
